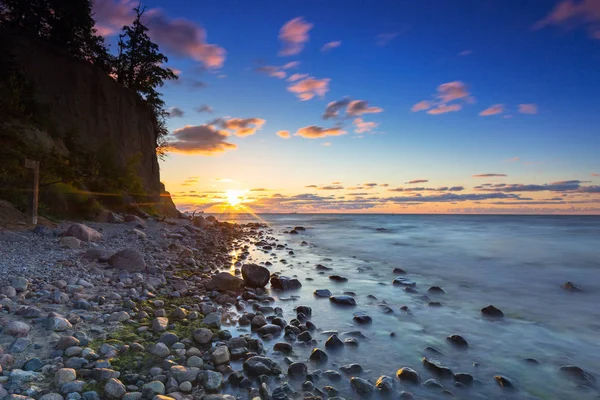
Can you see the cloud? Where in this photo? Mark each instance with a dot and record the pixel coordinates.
(456, 189)
(417, 181)
(311, 186)
(595, 175)
(296, 77)
(291, 64)
(317, 132)
(195, 83)
(560, 186)
(572, 14)
(199, 139)
(326, 144)
(310, 87)
(353, 108)
(330, 45)
(384, 38)
(493, 110)
(293, 35)
(175, 112)
(451, 197)
(528, 108)
(514, 159)
(283, 134)
(331, 187)
(259, 190)
(465, 52)
(272, 71)
(240, 126)
(362, 126)
(205, 108)
(488, 175)
(178, 36)
(450, 97)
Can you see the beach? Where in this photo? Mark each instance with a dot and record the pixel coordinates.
(302, 306)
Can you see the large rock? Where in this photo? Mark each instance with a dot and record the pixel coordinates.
(224, 281)
(58, 324)
(221, 355)
(130, 260)
(114, 389)
(285, 283)
(255, 275)
(182, 374)
(16, 329)
(159, 324)
(258, 365)
(202, 335)
(408, 375)
(83, 233)
(343, 300)
(361, 386)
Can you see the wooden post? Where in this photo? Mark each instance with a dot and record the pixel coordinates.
(32, 201)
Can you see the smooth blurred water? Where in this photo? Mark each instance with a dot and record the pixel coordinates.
(516, 263)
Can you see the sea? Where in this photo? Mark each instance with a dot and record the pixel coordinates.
(516, 263)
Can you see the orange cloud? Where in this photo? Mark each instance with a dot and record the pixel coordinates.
(528, 108)
(442, 109)
(283, 134)
(488, 175)
(294, 34)
(240, 126)
(450, 97)
(493, 110)
(364, 126)
(596, 175)
(200, 139)
(417, 181)
(297, 77)
(331, 45)
(420, 106)
(317, 132)
(272, 71)
(570, 13)
(291, 64)
(310, 87)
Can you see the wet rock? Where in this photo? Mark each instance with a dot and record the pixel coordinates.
(257, 322)
(504, 382)
(285, 283)
(306, 310)
(361, 386)
(571, 287)
(322, 293)
(385, 309)
(351, 369)
(436, 290)
(406, 396)
(458, 341)
(130, 260)
(16, 329)
(283, 347)
(353, 342)
(578, 374)
(83, 233)
(385, 384)
(465, 379)
(318, 355)
(400, 281)
(269, 329)
(362, 318)
(114, 389)
(433, 384)
(398, 271)
(224, 281)
(202, 335)
(531, 361)
(297, 370)
(255, 276)
(337, 278)
(343, 300)
(258, 365)
(304, 337)
(321, 267)
(492, 312)
(407, 374)
(334, 342)
(437, 368)
(213, 320)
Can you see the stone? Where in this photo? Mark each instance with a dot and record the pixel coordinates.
(578, 374)
(33, 364)
(72, 387)
(433, 384)
(297, 370)
(224, 281)
(465, 379)
(283, 347)
(398, 271)
(401, 281)
(83, 233)
(114, 388)
(255, 276)
(8, 291)
(202, 335)
(160, 324)
(130, 260)
(436, 290)
(362, 318)
(351, 369)
(258, 365)
(213, 320)
(361, 386)
(504, 382)
(492, 312)
(186, 387)
(343, 300)
(437, 368)
(183, 374)
(571, 287)
(304, 336)
(221, 355)
(119, 316)
(458, 341)
(168, 338)
(269, 329)
(70, 242)
(194, 361)
(322, 293)
(385, 384)
(152, 388)
(50, 396)
(212, 381)
(16, 329)
(407, 374)
(284, 283)
(160, 350)
(19, 283)
(334, 342)
(318, 355)
(337, 278)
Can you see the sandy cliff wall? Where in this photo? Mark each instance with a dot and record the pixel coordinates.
(86, 103)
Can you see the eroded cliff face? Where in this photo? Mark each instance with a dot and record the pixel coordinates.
(87, 105)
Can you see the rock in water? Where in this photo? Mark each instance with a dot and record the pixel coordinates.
(385, 384)
(492, 312)
(297, 370)
(318, 355)
(130, 260)
(403, 282)
(255, 276)
(504, 382)
(258, 365)
(361, 386)
(458, 341)
(322, 293)
(362, 318)
(343, 300)
(571, 287)
(83, 233)
(284, 283)
(334, 342)
(578, 374)
(438, 369)
(408, 375)
(225, 281)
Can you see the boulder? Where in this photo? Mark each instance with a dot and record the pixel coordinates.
(255, 276)
(258, 365)
(458, 341)
(504, 382)
(83, 233)
(571, 287)
(361, 386)
(492, 312)
(343, 300)
(408, 375)
(202, 335)
(70, 242)
(437, 368)
(17, 329)
(130, 260)
(224, 281)
(285, 283)
(114, 389)
(322, 293)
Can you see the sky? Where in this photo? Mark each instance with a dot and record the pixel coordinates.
(387, 106)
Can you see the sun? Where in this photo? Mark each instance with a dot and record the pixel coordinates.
(234, 197)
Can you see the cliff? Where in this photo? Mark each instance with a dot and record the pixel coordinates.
(80, 115)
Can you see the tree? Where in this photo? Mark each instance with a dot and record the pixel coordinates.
(139, 62)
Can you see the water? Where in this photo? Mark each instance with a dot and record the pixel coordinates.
(516, 263)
